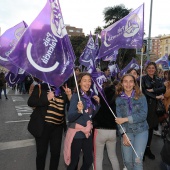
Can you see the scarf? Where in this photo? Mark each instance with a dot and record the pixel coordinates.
(124, 96)
(88, 100)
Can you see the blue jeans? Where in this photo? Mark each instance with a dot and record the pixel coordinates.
(139, 141)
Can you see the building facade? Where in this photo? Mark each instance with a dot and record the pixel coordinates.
(164, 45)
(73, 31)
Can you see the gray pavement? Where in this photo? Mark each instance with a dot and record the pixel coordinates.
(17, 146)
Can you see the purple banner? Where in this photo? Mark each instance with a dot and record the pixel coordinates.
(8, 41)
(13, 79)
(114, 69)
(125, 33)
(45, 50)
(98, 79)
(89, 54)
(163, 61)
(111, 57)
(133, 64)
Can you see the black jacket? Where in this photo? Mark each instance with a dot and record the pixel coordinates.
(104, 118)
(158, 87)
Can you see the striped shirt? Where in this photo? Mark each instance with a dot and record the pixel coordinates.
(55, 112)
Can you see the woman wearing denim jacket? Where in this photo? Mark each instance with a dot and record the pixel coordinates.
(131, 110)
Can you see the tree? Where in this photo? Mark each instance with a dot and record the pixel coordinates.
(114, 14)
(78, 44)
(98, 30)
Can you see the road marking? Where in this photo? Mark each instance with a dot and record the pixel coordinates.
(20, 114)
(17, 121)
(17, 144)
(17, 98)
(23, 110)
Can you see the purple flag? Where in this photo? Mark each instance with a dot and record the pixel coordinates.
(125, 33)
(45, 50)
(89, 54)
(13, 79)
(97, 45)
(111, 57)
(8, 41)
(133, 64)
(98, 79)
(163, 61)
(114, 69)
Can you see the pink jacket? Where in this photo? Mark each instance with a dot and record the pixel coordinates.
(69, 138)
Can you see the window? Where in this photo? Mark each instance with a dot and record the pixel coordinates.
(71, 31)
(166, 48)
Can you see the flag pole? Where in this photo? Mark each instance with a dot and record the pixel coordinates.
(77, 87)
(141, 68)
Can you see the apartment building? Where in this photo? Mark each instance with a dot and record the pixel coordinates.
(73, 31)
(164, 45)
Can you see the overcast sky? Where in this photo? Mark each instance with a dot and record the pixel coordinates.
(86, 14)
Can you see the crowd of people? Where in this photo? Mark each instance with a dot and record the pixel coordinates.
(127, 108)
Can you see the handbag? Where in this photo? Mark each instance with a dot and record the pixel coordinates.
(160, 108)
(36, 123)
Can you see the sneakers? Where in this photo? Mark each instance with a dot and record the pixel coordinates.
(157, 133)
(124, 168)
(149, 154)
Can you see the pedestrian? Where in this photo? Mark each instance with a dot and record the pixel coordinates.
(167, 93)
(105, 129)
(153, 89)
(52, 105)
(81, 112)
(131, 110)
(3, 85)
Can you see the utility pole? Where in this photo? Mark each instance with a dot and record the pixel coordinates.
(149, 36)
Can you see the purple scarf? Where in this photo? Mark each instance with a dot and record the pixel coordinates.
(88, 99)
(124, 96)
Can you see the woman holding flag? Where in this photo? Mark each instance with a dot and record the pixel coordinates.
(81, 112)
(131, 110)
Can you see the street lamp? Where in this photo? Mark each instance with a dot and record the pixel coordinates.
(149, 36)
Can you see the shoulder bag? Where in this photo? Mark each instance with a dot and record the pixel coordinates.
(36, 123)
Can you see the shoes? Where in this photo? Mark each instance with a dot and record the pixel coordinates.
(6, 98)
(124, 168)
(157, 133)
(149, 154)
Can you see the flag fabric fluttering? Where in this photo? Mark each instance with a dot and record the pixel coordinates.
(163, 61)
(114, 69)
(45, 50)
(88, 56)
(133, 64)
(98, 80)
(13, 79)
(8, 41)
(125, 33)
(111, 57)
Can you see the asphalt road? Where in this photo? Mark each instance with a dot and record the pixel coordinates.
(17, 146)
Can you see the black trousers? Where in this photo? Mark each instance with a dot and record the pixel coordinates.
(52, 135)
(86, 146)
